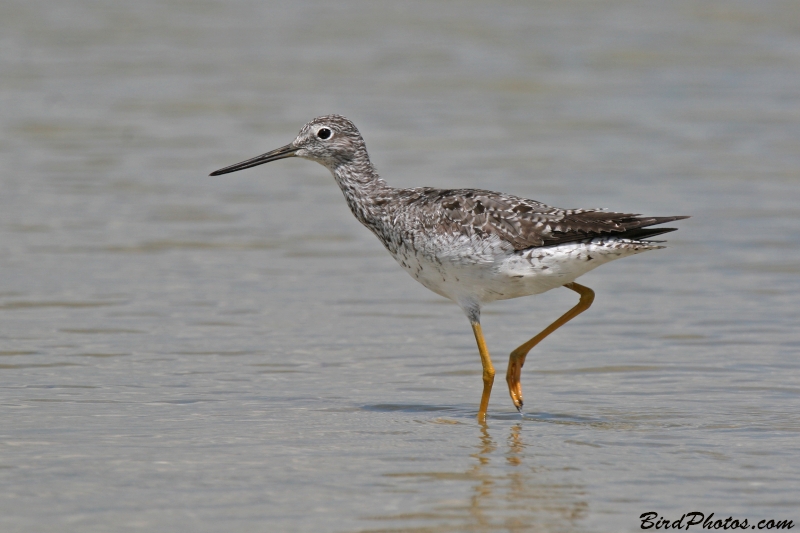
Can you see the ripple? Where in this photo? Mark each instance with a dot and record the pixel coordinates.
(407, 408)
(94, 331)
(35, 365)
(26, 304)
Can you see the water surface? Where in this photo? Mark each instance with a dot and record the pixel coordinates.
(187, 353)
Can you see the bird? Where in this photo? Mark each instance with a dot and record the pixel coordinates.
(472, 246)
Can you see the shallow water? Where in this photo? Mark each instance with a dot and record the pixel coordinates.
(187, 353)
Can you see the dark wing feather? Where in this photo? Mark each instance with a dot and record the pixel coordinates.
(623, 226)
(521, 222)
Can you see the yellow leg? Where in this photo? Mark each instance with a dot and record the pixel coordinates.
(517, 358)
(488, 371)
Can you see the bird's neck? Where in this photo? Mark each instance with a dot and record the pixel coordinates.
(363, 189)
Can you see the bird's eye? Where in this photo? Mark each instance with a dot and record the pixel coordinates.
(324, 133)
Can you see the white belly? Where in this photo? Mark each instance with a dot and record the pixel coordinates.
(495, 272)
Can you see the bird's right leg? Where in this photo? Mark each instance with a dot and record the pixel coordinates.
(517, 358)
(488, 371)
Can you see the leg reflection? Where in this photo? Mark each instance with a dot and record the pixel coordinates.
(515, 446)
(521, 493)
(483, 490)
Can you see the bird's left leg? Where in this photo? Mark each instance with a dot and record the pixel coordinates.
(517, 358)
(488, 371)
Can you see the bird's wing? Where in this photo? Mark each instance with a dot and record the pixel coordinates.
(525, 223)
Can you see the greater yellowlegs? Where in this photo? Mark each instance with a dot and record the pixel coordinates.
(469, 245)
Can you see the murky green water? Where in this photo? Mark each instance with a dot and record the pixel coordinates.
(186, 353)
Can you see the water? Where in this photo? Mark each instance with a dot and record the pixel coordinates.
(186, 353)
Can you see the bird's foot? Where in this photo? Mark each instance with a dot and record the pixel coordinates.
(515, 391)
(513, 376)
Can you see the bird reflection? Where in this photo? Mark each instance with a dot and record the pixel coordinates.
(522, 496)
(509, 490)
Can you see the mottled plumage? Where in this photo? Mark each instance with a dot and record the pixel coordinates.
(469, 245)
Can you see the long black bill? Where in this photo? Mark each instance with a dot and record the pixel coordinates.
(281, 153)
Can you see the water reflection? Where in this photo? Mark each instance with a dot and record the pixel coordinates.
(486, 484)
(509, 490)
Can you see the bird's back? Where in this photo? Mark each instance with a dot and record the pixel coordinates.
(519, 222)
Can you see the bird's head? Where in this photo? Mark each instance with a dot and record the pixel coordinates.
(330, 140)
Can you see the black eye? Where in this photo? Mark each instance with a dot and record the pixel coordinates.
(324, 133)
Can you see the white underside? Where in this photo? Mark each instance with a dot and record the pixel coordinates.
(473, 275)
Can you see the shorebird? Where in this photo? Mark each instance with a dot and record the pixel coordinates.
(470, 245)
